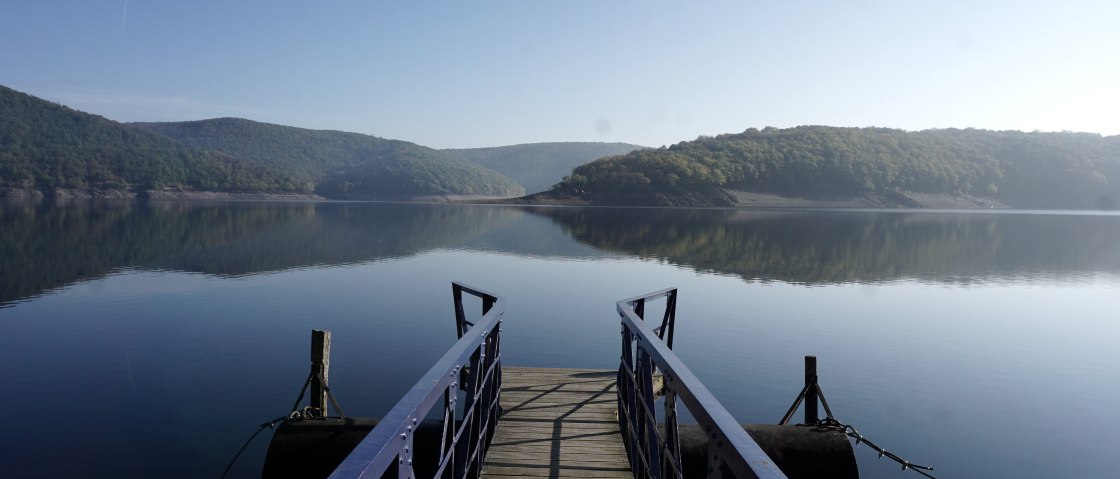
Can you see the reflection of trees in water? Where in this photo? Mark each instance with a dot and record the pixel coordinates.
(44, 246)
(829, 247)
(335, 233)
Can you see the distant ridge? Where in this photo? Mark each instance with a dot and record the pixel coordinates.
(538, 166)
(47, 146)
(877, 167)
(342, 165)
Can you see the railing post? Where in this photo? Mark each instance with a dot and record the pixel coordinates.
(715, 462)
(672, 460)
(811, 390)
(481, 435)
(627, 397)
(493, 384)
(320, 366)
(670, 320)
(464, 447)
(446, 444)
(652, 449)
(404, 459)
(460, 313)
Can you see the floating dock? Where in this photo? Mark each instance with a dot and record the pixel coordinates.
(472, 416)
(557, 423)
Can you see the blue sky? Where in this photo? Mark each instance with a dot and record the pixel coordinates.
(469, 74)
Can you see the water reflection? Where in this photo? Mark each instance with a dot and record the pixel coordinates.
(853, 247)
(908, 363)
(45, 246)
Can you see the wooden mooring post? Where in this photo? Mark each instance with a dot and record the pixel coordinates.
(321, 366)
(811, 390)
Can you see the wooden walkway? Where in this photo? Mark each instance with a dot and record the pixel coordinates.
(557, 423)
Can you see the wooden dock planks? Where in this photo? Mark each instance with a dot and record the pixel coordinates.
(557, 423)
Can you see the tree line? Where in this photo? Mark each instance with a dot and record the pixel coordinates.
(46, 145)
(1062, 170)
(340, 164)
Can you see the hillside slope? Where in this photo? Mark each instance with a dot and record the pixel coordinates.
(886, 167)
(538, 166)
(341, 165)
(44, 145)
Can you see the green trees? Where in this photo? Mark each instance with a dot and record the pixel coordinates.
(45, 145)
(1058, 170)
(339, 164)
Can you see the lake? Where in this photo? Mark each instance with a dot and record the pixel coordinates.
(151, 339)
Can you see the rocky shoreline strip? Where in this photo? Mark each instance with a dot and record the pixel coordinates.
(113, 194)
(747, 199)
(735, 199)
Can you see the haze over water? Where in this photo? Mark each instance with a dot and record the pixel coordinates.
(151, 339)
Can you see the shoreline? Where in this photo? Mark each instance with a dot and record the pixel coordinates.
(741, 200)
(68, 194)
(756, 200)
(880, 200)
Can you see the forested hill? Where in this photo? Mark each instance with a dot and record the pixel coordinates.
(44, 145)
(1026, 170)
(340, 164)
(538, 166)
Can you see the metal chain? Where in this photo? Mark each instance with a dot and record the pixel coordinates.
(832, 423)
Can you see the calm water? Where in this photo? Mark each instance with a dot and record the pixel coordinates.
(150, 340)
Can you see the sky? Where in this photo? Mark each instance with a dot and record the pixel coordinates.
(489, 73)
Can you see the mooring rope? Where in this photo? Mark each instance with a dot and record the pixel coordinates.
(271, 424)
(296, 415)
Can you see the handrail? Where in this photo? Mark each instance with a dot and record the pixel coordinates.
(651, 453)
(473, 364)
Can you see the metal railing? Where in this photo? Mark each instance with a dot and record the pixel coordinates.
(654, 454)
(473, 365)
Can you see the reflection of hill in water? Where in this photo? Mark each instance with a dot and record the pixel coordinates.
(44, 247)
(328, 234)
(842, 247)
